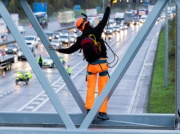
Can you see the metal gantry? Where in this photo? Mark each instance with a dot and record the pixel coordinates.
(49, 123)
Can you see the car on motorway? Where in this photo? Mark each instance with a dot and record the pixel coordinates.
(163, 15)
(143, 18)
(56, 35)
(122, 26)
(78, 33)
(72, 38)
(136, 20)
(64, 39)
(43, 23)
(111, 22)
(75, 30)
(21, 29)
(56, 42)
(32, 40)
(108, 30)
(116, 28)
(12, 48)
(3, 37)
(48, 62)
(21, 56)
(73, 33)
(2, 52)
(49, 35)
(64, 32)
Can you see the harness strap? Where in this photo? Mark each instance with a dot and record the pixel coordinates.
(98, 62)
(95, 42)
(103, 73)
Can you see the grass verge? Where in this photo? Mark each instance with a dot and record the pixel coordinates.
(162, 99)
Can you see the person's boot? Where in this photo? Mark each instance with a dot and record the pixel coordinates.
(103, 116)
(88, 111)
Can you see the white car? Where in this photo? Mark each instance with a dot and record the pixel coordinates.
(21, 29)
(48, 62)
(143, 18)
(49, 35)
(64, 39)
(116, 28)
(56, 42)
(72, 38)
(108, 30)
(32, 40)
(64, 32)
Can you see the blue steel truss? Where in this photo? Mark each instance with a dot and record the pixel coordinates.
(41, 123)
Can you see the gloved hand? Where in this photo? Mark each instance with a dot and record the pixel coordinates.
(51, 47)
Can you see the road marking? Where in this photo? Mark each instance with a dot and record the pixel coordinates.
(35, 102)
(73, 76)
(130, 109)
(30, 107)
(23, 107)
(41, 99)
(57, 90)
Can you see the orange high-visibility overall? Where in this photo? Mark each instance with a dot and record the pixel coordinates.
(93, 69)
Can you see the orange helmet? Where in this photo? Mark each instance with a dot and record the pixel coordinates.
(80, 23)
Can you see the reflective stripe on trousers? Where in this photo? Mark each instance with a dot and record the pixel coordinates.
(98, 67)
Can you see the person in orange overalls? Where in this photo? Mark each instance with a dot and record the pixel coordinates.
(96, 69)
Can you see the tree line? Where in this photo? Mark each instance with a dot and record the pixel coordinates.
(55, 5)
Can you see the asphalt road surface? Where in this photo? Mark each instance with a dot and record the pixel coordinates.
(129, 97)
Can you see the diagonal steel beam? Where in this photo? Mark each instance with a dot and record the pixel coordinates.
(35, 67)
(126, 61)
(53, 55)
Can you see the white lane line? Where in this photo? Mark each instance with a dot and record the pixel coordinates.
(40, 99)
(35, 103)
(30, 107)
(45, 95)
(139, 77)
(44, 91)
(57, 91)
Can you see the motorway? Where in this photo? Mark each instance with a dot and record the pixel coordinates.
(129, 97)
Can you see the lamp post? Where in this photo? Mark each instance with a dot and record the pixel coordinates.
(103, 4)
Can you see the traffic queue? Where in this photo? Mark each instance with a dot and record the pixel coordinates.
(118, 23)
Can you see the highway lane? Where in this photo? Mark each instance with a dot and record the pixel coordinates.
(126, 98)
(23, 65)
(29, 30)
(16, 98)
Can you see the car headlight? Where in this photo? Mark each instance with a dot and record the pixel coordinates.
(18, 75)
(6, 49)
(49, 62)
(66, 40)
(14, 49)
(50, 37)
(19, 54)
